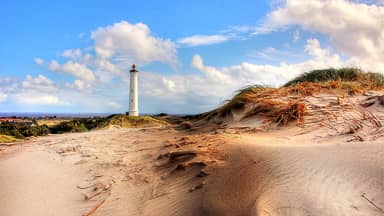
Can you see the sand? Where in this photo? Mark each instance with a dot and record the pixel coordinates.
(71, 174)
(271, 176)
(35, 183)
(332, 164)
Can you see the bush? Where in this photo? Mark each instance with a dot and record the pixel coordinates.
(21, 130)
(69, 126)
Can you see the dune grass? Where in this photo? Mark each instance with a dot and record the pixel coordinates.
(242, 97)
(117, 120)
(7, 139)
(132, 121)
(51, 122)
(365, 79)
(278, 112)
(268, 102)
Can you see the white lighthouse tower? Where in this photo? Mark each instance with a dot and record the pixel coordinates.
(133, 93)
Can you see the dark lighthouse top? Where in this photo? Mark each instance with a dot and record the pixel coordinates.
(133, 69)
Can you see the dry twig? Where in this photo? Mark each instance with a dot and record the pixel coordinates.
(372, 203)
(93, 210)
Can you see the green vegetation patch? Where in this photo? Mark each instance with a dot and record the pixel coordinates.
(23, 129)
(20, 130)
(76, 125)
(367, 79)
(86, 124)
(126, 121)
(7, 139)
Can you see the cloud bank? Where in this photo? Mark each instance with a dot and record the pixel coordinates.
(354, 29)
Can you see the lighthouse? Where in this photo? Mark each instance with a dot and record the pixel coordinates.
(133, 93)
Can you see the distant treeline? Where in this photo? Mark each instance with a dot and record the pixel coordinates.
(23, 129)
(77, 125)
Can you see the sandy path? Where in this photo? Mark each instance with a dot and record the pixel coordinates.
(33, 182)
(52, 175)
(269, 176)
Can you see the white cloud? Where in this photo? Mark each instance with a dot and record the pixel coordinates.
(355, 29)
(200, 40)
(40, 83)
(39, 61)
(132, 43)
(296, 36)
(8, 84)
(113, 105)
(78, 70)
(107, 66)
(169, 84)
(267, 53)
(79, 85)
(72, 54)
(116, 47)
(210, 72)
(313, 48)
(28, 98)
(37, 90)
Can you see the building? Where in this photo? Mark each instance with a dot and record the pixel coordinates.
(133, 92)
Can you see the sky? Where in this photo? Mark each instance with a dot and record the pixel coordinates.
(75, 56)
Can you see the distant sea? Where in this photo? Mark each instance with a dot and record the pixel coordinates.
(59, 115)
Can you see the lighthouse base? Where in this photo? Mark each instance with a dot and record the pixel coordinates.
(133, 113)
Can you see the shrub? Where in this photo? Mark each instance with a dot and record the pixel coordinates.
(69, 126)
(21, 130)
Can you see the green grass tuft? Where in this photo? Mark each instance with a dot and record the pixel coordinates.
(344, 74)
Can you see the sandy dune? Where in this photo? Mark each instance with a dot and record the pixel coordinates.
(332, 164)
(105, 172)
(273, 176)
(36, 183)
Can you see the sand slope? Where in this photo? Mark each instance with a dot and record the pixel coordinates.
(35, 183)
(270, 176)
(105, 172)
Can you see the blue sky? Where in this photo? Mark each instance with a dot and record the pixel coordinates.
(74, 56)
